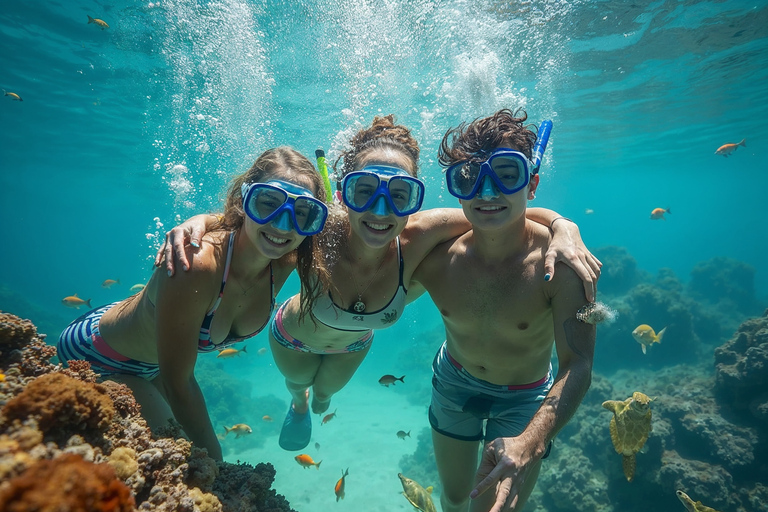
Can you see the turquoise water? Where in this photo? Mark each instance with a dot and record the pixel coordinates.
(123, 132)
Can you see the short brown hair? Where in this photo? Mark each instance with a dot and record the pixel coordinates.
(481, 136)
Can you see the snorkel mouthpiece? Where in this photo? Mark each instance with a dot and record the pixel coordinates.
(541, 144)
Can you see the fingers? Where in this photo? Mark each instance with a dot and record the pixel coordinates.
(169, 258)
(504, 491)
(549, 265)
(161, 252)
(180, 253)
(196, 236)
(487, 482)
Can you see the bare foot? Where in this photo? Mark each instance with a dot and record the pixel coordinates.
(319, 407)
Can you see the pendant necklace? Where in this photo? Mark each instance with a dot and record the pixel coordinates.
(359, 306)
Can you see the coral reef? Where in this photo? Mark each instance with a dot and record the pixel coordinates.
(66, 483)
(742, 371)
(725, 282)
(68, 443)
(620, 272)
(59, 402)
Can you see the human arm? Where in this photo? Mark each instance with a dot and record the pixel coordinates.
(507, 462)
(180, 305)
(193, 230)
(568, 247)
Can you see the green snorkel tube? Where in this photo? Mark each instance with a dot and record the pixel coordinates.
(322, 166)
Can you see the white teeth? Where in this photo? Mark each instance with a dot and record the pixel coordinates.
(489, 208)
(378, 227)
(275, 240)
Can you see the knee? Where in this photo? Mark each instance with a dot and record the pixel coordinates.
(454, 499)
(321, 395)
(298, 386)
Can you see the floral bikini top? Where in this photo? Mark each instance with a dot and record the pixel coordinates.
(204, 343)
(328, 313)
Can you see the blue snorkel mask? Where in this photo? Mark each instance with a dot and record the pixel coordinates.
(285, 205)
(382, 189)
(505, 170)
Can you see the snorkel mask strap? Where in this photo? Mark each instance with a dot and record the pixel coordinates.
(541, 145)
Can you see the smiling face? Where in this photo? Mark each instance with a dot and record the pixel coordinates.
(278, 237)
(378, 226)
(490, 209)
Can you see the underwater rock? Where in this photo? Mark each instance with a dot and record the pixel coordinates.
(620, 272)
(725, 282)
(711, 484)
(57, 426)
(742, 371)
(571, 483)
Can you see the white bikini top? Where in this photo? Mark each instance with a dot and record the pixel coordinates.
(328, 313)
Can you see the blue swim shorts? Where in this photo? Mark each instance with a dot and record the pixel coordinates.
(462, 402)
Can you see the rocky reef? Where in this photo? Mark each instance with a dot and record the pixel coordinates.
(706, 438)
(709, 438)
(697, 316)
(70, 443)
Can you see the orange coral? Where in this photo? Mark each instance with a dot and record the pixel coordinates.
(66, 483)
(57, 401)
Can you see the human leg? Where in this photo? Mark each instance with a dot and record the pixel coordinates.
(333, 374)
(299, 369)
(150, 396)
(456, 464)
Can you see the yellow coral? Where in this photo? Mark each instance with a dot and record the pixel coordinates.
(123, 461)
(205, 502)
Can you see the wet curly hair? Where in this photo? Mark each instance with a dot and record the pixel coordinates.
(382, 134)
(478, 138)
(286, 163)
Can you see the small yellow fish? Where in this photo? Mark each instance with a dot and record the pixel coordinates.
(658, 213)
(328, 417)
(230, 352)
(241, 429)
(727, 149)
(262, 351)
(73, 301)
(97, 21)
(109, 282)
(306, 461)
(339, 489)
(267, 418)
(386, 380)
(645, 335)
(2, 377)
(12, 95)
(137, 287)
(402, 434)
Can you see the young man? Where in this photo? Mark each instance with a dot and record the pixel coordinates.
(502, 316)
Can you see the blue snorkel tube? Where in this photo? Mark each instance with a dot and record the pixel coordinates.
(541, 144)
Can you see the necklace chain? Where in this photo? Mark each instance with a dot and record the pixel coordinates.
(359, 306)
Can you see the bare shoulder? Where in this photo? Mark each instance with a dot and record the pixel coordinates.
(427, 229)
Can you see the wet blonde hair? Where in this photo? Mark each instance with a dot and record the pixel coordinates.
(284, 163)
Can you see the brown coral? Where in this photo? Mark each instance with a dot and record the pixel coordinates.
(66, 483)
(15, 332)
(57, 400)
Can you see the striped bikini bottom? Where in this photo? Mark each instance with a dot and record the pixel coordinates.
(81, 341)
